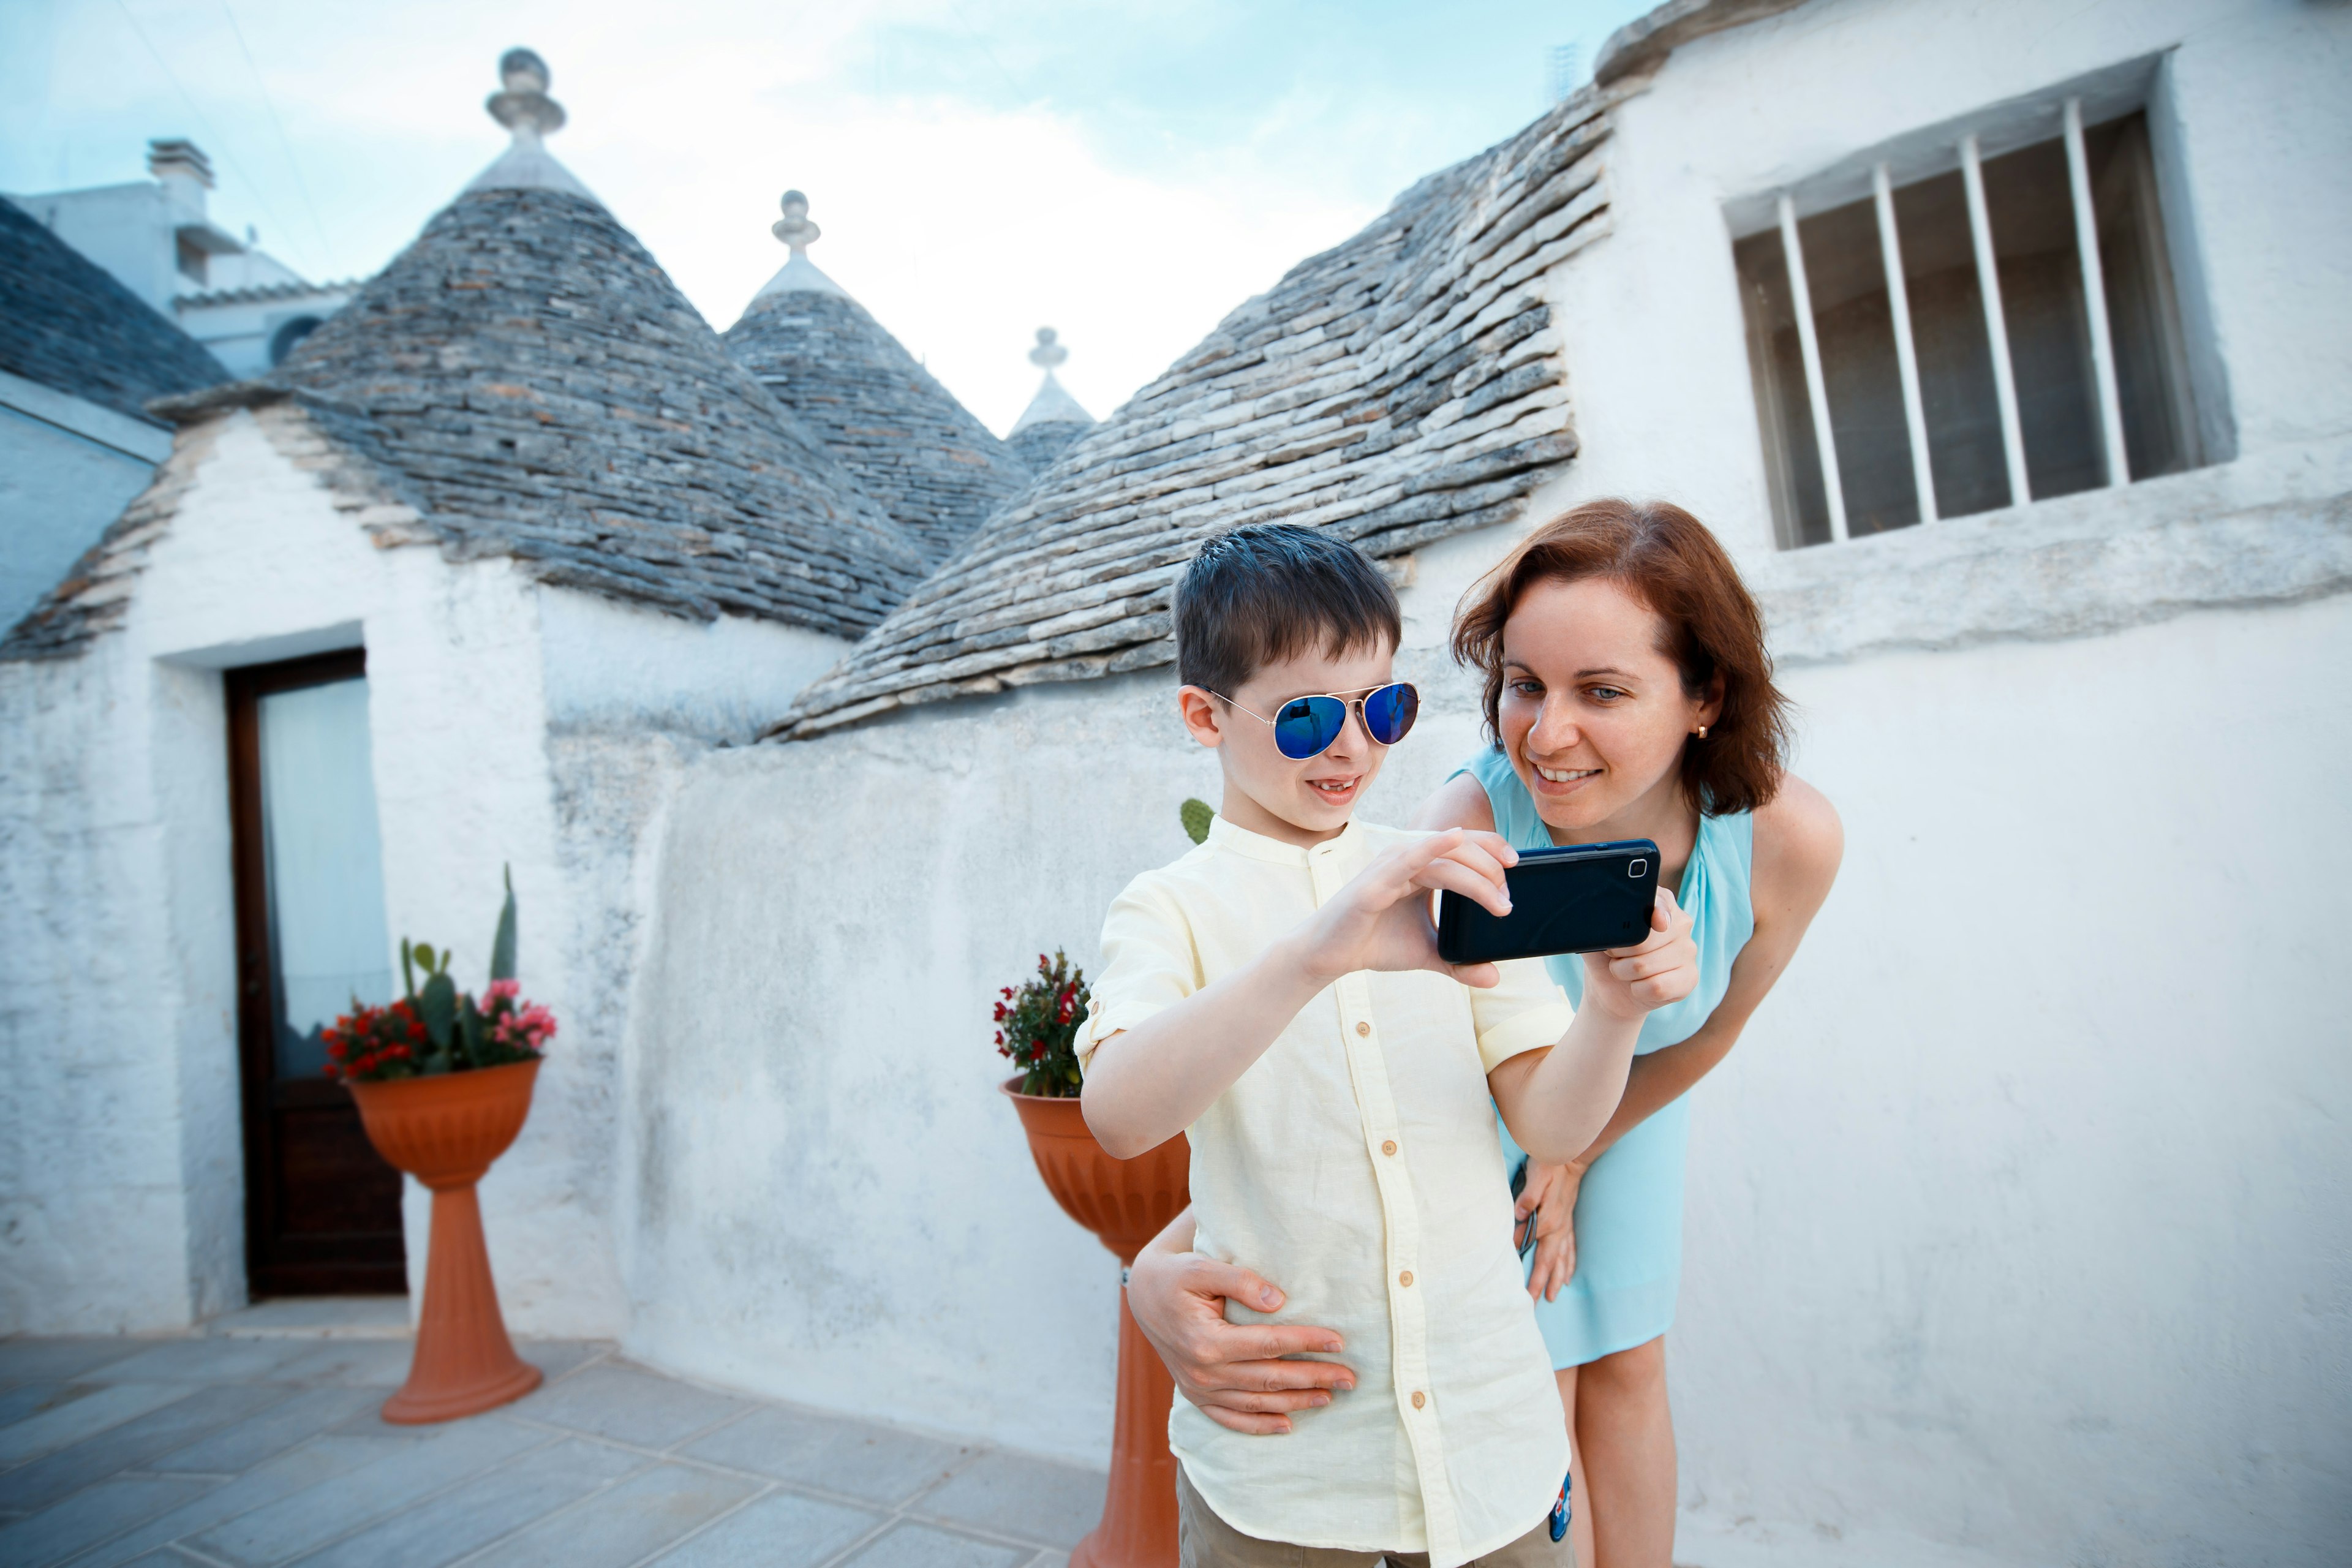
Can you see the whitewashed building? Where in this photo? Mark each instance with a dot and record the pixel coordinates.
(157, 237)
(2009, 351)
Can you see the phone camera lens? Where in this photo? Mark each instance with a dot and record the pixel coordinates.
(1635, 869)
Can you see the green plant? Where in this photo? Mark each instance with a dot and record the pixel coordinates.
(436, 1027)
(1037, 1027)
(1196, 816)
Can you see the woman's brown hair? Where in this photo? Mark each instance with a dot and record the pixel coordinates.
(1668, 559)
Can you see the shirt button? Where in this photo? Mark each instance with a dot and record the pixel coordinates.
(1389, 1147)
(1362, 1028)
(1418, 1399)
(1405, 1277)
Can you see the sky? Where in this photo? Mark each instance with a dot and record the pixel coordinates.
(1126, 173)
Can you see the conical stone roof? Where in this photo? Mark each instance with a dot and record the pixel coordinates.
(1053, 419)
(902, 436)
(527, 379)
(1402, 387)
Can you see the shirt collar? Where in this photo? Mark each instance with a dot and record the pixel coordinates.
(1258, 846)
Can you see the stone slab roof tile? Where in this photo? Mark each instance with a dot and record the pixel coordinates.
(524, 381)
(900, 435)
(1400, 388)
(67, 323)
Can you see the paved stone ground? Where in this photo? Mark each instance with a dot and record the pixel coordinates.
(259, 1442)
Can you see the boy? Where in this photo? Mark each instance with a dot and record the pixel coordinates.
(1279, 993)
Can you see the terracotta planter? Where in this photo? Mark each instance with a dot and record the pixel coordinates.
(444, 1131)
(1125, 1203)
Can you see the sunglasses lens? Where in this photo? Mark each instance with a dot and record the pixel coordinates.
(1389, 712)
(1307, 726)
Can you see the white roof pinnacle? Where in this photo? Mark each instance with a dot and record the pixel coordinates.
(799, 275)
(1053, 405)
(524, 108)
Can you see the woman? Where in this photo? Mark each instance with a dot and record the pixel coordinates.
(1629, 696)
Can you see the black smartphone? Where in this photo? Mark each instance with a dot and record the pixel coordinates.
(1581, 898)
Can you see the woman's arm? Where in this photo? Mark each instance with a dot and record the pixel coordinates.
(1239, 1376)
(1799, 843)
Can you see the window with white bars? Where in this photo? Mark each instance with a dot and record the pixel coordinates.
(1998, 330)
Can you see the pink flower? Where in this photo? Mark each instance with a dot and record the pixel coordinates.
(506, 989)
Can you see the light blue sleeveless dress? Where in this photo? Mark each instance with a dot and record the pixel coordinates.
(1629, 1210)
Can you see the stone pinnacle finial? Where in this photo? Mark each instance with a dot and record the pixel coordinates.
(795, 228)
(1049, 351)
(524, 105)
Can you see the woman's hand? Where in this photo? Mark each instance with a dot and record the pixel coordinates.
(1548, 1202)
(1629, 982)
(1237, 1374)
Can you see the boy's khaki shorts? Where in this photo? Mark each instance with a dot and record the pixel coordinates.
(1206, 1541)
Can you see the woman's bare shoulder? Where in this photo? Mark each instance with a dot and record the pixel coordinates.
(1460, 802)
(1798, 842)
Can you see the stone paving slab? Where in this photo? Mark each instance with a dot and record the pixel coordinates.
(872, 1464)
(260, 1445)
(782, 1530)
(134, 1443)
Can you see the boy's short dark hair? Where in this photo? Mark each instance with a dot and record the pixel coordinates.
(1271, 591)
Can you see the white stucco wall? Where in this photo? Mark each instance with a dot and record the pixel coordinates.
(510, 723)
(1652, 318)
(2001, 1251)
(830, 1201)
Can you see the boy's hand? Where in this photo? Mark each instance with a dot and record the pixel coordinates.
(1381, 920)
(1629, 982)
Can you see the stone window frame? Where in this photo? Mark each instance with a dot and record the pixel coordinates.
(1804, 483)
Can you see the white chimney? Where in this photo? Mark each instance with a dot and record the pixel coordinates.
(183, 170)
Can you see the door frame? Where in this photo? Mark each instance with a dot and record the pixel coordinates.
(259, 1093)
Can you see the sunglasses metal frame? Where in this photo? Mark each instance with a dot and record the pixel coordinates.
(1353, 700)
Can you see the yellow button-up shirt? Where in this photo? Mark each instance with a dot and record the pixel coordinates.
(1356, 1164)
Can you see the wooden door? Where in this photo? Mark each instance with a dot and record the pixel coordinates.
(322, 1208)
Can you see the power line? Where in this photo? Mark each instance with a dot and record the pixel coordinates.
(285, 142)
(203, 121)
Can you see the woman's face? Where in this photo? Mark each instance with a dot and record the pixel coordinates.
(1593, 715)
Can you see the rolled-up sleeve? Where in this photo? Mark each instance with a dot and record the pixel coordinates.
(1527, 1012)
(1150, 961)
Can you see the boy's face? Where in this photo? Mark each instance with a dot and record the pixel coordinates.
(1266, 792)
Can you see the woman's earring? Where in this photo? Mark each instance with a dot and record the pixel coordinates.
(1702, 731)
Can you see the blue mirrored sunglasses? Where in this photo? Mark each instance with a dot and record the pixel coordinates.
(1306, 727)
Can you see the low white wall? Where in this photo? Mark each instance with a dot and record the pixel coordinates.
(2018, 1222)
(829, 1200)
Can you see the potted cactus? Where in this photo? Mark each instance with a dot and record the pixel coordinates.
(442, 1081)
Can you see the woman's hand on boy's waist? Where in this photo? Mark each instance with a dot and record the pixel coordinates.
(1240, 1375)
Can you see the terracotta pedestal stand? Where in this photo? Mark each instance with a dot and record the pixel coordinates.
(444, 1131)
(1125, 1203)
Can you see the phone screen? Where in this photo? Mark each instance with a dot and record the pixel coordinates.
(1582, 898)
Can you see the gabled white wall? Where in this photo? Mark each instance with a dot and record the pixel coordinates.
(510, 723)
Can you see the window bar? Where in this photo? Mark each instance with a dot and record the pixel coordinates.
(1817, 390)
(1906, 356)
(2004, 380)
(2094, 295)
